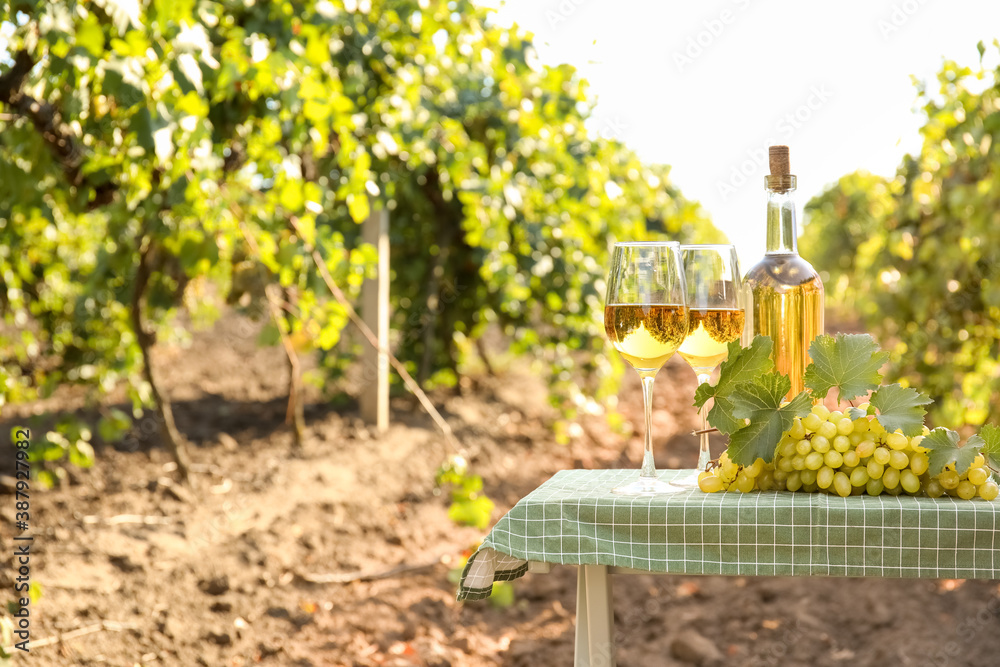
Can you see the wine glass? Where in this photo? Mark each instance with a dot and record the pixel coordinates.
(646, 319)
(715, 299)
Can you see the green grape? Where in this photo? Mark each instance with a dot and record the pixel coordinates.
(779, 478)
(979, 461)
(766, 480)
(709, 483)
(966, 490)
(897, 441)
(729, 470)
(894, 491)
(934, 489)
(799, 462)
(874, 487)
(841, 443)
(785, 465)
(919, 463)
(833, 459)
(842, 484)
(881, 455)
(855, 439)
(989, 490)
(949, 480)
(875, 469)
(803, 447)
(794, 481)
(814, 461)
(910, 482)
(835, 416)
(861, 425)
(978, 476)
(820, 444)
(915, 442)
(851, 459)
(755, 468)
(828, 430)
(890, 478)
(824, 477)
(787, 448)
(744, 482)
(807, 477)
(859, 476)
(797, 431)
(810, 488)
(820, 411)
(865, 448)
(898, 459)
(812, 422)
(845, 426)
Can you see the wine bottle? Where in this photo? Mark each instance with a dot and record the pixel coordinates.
(785, 290)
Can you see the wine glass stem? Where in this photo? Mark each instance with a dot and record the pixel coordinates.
(704, 454)
(648, 464)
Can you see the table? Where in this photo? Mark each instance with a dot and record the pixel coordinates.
(574, 519)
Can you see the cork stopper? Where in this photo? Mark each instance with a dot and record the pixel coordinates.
(778, 157)
(780, 179)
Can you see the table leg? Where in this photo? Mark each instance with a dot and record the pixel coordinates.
(595, 644)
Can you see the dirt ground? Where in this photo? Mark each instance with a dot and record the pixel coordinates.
(221, 575)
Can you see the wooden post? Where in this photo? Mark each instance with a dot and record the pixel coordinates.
(595, 631)
(375, 312)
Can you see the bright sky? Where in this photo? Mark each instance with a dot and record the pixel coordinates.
(706, 86)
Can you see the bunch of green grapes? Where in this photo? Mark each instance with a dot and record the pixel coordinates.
(976, 481)
(828, 452)
(729, 476)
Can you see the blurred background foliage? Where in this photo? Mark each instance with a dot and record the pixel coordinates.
(917, 257)
(154, 155)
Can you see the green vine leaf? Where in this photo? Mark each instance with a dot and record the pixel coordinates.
(857, 413)
(742, 365)
(945, 449)
(900, 408)
(988, 441)
(849, 362)
(760, 401)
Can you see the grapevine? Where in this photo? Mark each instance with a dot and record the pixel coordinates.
(880, 446)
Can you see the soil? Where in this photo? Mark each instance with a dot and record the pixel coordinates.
(221, 574)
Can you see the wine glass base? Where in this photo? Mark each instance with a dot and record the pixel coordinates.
(687, 482)
(646, 487)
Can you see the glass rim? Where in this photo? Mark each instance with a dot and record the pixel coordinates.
(627, 244)
(708, 245)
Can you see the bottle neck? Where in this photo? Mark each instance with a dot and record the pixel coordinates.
(781, 228)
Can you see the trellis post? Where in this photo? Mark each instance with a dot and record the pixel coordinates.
(375, 313)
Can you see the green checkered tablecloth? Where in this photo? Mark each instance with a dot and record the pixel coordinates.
(574, 519)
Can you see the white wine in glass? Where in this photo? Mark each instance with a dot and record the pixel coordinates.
(715, 297)
(646, 319)
(709, 334)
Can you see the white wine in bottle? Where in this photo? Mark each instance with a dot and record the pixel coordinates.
(787, 293)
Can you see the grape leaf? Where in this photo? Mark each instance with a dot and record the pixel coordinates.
(760, 401)
(900, 408)
(988, 442)
(943, 444)
(849, 362)
(741, 365)
(856, 413)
